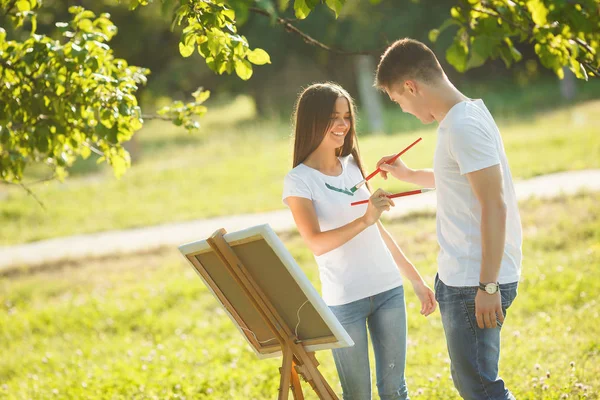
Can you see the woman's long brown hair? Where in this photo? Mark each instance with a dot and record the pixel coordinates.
(312, 119)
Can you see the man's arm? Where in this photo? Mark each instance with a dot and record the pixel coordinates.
(399, 170)
(488, 188)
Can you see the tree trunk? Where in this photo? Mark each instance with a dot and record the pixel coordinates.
(568, 88)
(370, 99)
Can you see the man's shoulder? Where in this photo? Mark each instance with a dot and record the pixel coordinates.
(471, 120)
(469, 114)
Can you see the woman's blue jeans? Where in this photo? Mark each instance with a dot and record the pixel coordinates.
(385, 314)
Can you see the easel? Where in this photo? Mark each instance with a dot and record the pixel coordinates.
(296, 360)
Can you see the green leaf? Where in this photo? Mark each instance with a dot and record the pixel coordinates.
(85, 152)
(283, 5)
(516, 54)
(335, 6)
(301, 9)
(33, 24)
(120, 162)
(481, 49)
(85, 25)
(433, 35)
(539, 12)
(457, 54)
(185, 51)
(23, 5)
(75, 9)
(243, 69)
(201, 95)
(259, 57)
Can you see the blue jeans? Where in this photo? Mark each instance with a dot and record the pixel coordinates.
(385, 314)
(474, 352)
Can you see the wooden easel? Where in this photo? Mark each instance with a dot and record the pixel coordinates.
(296, 360)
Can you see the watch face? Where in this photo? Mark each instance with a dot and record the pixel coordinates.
(491, 288)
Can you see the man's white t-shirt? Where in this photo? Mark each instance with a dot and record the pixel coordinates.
(361, 267)
(468, 141)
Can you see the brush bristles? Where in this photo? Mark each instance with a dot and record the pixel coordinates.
(358, 185)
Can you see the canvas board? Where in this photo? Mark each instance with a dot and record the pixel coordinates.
(284, 284)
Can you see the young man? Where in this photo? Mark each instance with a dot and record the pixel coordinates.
(478, 223)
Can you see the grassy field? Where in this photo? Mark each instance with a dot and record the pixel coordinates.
(144, 326)
(236, 164)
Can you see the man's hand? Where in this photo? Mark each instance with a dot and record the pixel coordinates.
(398, 169)
(488, 307)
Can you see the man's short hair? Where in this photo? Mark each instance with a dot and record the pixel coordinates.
(407, 59)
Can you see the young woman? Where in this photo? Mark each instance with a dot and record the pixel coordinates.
(359, 261)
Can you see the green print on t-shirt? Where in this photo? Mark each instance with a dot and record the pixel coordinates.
(345, 191)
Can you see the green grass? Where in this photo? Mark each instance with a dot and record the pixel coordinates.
(144, 326)
(236, 165)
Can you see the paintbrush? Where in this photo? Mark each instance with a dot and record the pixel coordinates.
(393, 196)
(390, 161)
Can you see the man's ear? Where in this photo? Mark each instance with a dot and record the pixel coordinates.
(410, 86)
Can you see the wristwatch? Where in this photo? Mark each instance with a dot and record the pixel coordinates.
(489, 288)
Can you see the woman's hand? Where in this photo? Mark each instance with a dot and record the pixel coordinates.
(426, 297)
(378, 203)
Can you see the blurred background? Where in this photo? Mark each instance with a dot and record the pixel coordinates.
(242, 151)
(143, 326)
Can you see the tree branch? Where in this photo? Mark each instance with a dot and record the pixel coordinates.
(92, 148)
(150, 117)
(29, 192)
(310, 40)
(589, 66)
(20, 75)
(586, 47)
(10, 7)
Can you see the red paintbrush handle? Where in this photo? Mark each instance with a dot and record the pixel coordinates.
(393, 196)
(391, 160)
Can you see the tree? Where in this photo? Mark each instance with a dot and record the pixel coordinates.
(64, 95)
(564, 33)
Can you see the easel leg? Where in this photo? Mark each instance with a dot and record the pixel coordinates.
(286, 373)
(322, 378)
(309, 370)
(296, 388)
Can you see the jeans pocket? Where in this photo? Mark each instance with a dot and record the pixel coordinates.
(508, 292)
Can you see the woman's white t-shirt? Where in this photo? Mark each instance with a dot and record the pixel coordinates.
(361, 267)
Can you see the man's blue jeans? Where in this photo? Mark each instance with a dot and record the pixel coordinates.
(474, 352)
(385, 314)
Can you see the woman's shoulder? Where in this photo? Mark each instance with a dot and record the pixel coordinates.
(298, 173)
(298, 170)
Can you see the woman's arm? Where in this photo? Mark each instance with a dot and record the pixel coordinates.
(423, 292)
(404, 265)
(319, 242)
